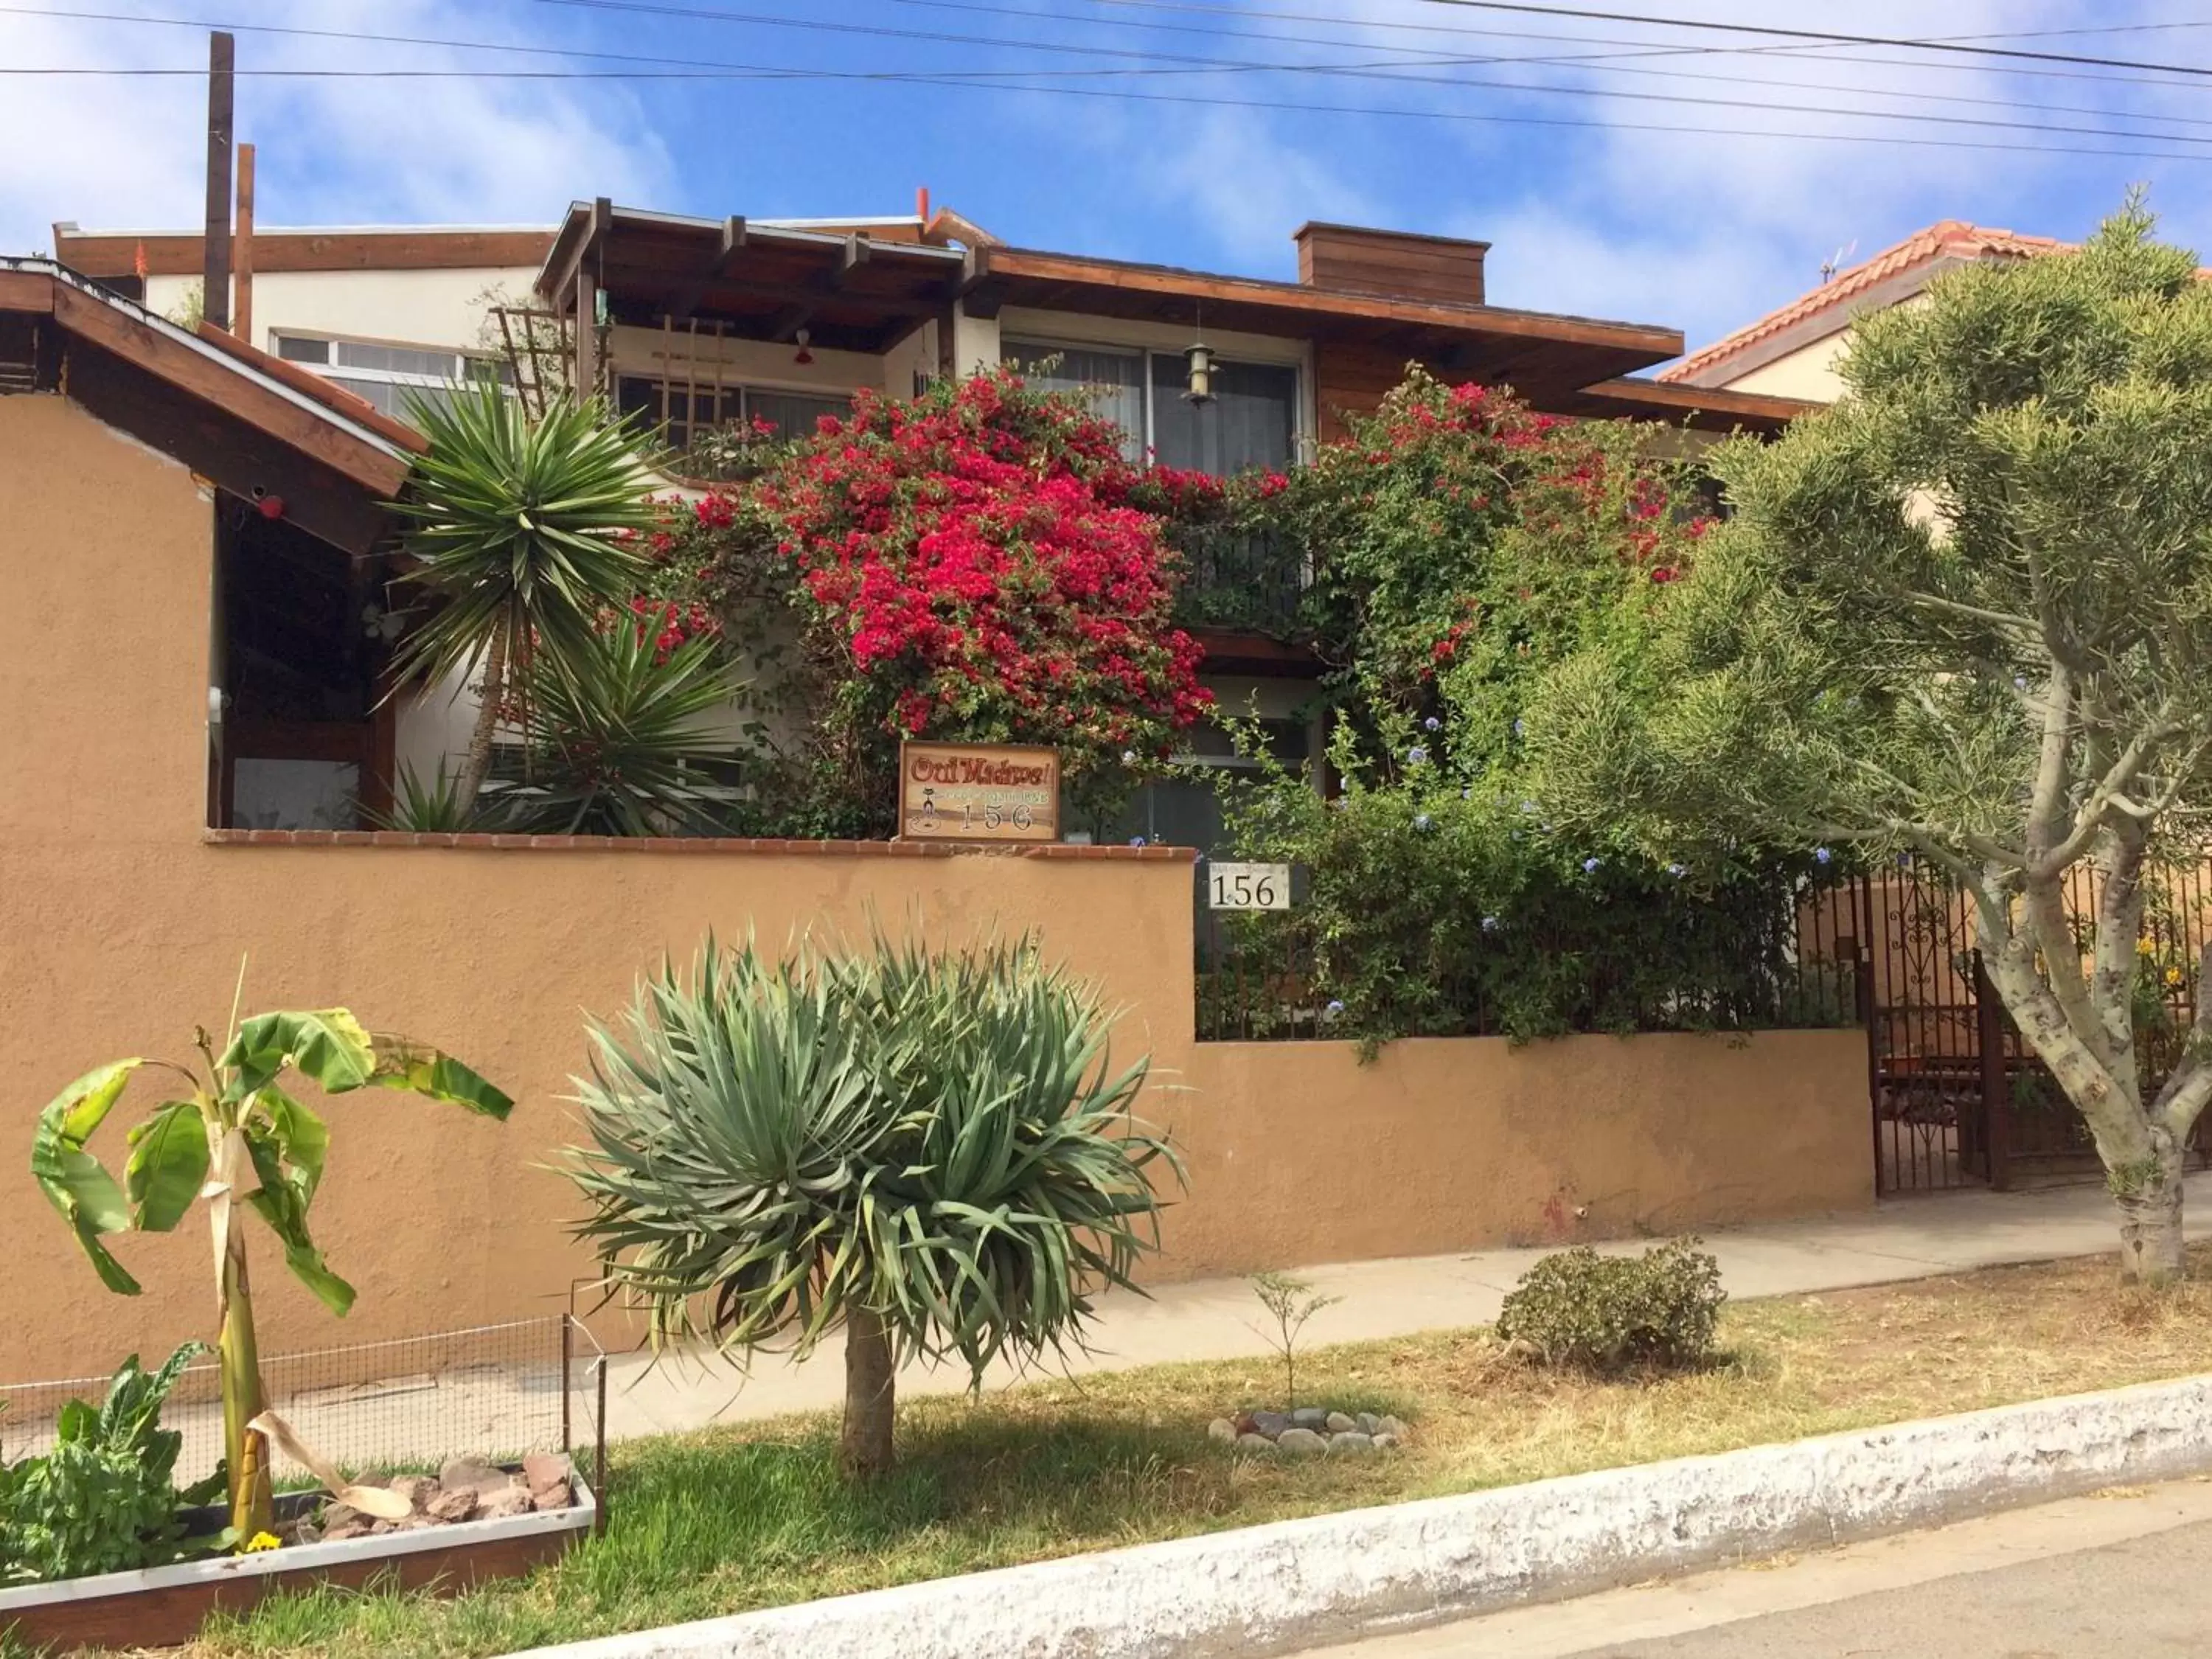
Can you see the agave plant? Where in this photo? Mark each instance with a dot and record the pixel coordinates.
(614, 751)
(524, 531)
(235, 1139)
(934, 1152)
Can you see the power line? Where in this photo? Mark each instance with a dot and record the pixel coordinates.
(691, 69)
(1823, 35)
(1292, 107)
(1185, 64)
(1601, 63)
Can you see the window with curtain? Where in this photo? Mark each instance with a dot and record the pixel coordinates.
(1111, 382)
(1250, 423)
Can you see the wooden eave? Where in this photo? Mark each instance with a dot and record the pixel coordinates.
(216, 407)
(849, 290)
(1704, 408)
(1535, 351)
(112, 255)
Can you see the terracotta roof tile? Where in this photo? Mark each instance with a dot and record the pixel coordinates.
(1951, 239)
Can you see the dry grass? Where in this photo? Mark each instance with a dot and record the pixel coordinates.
(753, 1516)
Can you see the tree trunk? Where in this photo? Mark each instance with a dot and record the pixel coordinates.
(493, 691)
(870, 1397)
(2150, 1199)
(252, 1505)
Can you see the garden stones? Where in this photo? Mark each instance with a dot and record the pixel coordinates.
(1339, 1433)
(465, 1489)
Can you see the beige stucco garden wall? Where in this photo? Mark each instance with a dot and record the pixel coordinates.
(121, 926)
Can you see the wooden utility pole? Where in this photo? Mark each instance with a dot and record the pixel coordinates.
(215, 278)
(244, 256)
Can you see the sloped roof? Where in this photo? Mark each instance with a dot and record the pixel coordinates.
(254, 425)
(1952, 241)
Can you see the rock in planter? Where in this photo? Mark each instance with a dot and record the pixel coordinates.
(1344, 1422)
(1254, 1442)
(1223, 1430)
(544, 1471)
(1300, 1442)
(1271, 1423)
(417, 1489)
(1370, 1423)
(342, 1522)
(1349, 1440)
(504, 1503)
(451, 1507)
(473, 1473)
(1391, 1426)
(1310, 1417)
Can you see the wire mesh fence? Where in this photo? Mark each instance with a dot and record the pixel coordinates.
(400, 1406)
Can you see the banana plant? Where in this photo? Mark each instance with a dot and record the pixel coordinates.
(233, 1137)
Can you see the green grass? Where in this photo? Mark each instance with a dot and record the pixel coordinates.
(756, 1515)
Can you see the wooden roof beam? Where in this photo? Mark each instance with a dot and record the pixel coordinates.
(856, 252)
(733, 243)
(601, 219)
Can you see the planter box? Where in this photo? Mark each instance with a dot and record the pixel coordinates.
(163, 1606)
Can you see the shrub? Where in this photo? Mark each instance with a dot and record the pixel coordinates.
(104, 1499)
(1609, 1314)
(934, 1151)
(979, 563)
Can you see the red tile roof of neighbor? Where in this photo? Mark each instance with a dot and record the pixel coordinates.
(1951, 241)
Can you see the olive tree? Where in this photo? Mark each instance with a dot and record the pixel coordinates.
(932, 1151)
(1964, 618)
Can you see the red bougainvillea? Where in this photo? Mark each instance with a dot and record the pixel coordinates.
(976, 563)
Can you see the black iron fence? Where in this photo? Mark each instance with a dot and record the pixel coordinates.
(1959, 1097)
(1244, 581)
(1752, 960)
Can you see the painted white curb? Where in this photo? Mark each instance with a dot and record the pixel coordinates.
(1301, 1583)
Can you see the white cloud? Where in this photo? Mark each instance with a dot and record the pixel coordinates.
(131, 151)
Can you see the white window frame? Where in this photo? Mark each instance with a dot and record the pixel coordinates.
(1017, 345)
(341, 374)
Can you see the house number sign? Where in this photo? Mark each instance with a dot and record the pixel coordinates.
(978, 791)
(1248, 886)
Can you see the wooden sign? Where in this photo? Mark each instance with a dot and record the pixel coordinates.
(978, 791)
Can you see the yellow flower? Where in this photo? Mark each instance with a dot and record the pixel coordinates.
(2173, 977)
(262, 1541)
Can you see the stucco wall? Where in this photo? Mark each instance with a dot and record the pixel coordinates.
(406, 308)
(120, 927)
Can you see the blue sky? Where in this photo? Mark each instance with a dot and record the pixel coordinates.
(1624, 213)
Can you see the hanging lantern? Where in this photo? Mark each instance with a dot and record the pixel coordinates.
(1197, 372)
(1198, 377)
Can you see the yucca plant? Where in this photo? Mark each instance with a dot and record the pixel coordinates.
(933, 1151)
(612, 751)
(523, 530)
(429, 806)
(235, 1139)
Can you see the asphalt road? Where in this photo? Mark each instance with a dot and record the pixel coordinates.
(2123, 1575)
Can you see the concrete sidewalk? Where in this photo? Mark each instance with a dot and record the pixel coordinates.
(517, 1410)
(1900, 1238)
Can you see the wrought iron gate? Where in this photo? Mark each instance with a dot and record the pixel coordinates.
(1960, 1098)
